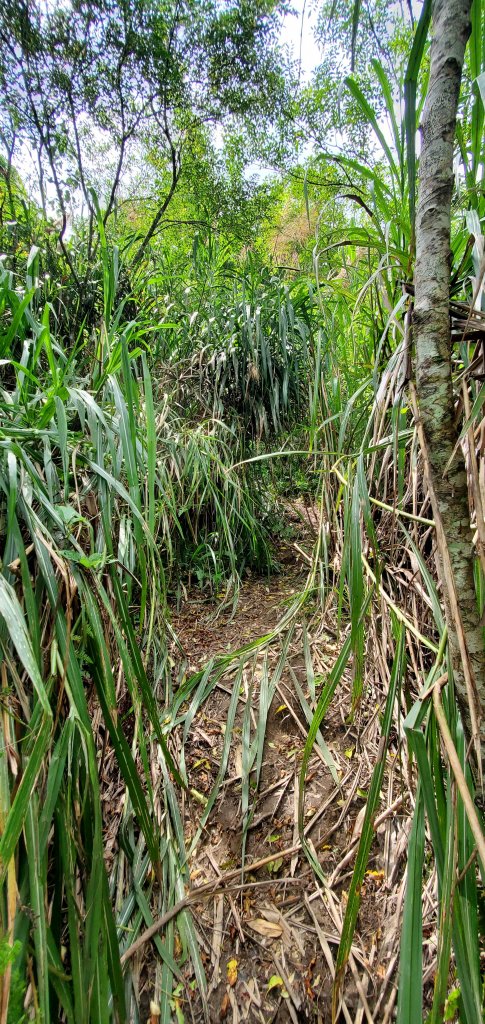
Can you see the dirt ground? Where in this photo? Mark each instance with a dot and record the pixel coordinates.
(269, 940)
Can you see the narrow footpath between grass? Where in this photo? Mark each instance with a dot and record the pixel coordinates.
(267, 927)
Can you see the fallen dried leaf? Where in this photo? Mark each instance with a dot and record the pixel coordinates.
(269, 929)
(224, 1008)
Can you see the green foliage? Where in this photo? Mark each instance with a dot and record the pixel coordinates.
(9, 954)
(236, 334)
(101, 504)
(85, 85)
(151, 356)
(384, 192)
(54, 433)
(352, 36)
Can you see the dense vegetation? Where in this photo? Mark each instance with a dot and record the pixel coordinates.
(205, 310)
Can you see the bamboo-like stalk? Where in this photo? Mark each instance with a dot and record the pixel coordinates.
(431, 332)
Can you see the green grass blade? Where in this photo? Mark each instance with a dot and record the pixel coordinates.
(38, 898)
(410, 996)
(410, 92)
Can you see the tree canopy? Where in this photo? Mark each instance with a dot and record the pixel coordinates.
(90, 87)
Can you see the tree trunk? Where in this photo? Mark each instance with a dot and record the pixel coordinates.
(447, 477)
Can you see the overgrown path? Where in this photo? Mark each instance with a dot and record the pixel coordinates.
(268, 932)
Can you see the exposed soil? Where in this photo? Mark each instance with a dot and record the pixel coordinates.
(269, 940)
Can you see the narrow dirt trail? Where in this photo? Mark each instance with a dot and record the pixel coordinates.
(268, 942)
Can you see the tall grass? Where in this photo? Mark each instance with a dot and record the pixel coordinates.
(379, 514)
(81, 594)
(108, 497)
(237, 331)
(121, 479)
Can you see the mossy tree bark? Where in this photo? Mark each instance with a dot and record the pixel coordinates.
(434, 386)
